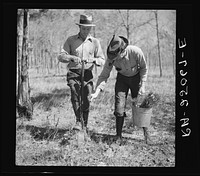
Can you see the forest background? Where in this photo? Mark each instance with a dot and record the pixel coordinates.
(154, 31)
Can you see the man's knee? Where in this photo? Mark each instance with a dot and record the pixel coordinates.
(120, 114)
(119, 107)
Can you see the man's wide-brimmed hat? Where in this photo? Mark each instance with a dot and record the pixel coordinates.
(117, 45)
(85, 20)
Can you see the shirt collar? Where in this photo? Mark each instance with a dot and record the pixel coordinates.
(123, 55)
(89, 37)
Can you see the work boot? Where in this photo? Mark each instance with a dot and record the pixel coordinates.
(85, 118)
(119, 125)
(78, 118)
(147, 136)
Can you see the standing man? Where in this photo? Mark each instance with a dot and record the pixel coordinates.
(130, 63)
(81, 46)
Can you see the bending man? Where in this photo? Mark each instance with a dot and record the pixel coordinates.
(130, 63)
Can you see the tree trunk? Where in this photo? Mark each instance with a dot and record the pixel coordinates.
(20, 20)
(24, 104)
(126, 23)
(158, 43)
(128, 27)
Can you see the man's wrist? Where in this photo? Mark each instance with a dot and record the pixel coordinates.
(98, 90)
(74, 59)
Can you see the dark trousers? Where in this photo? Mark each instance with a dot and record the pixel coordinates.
(122, 86)
(74, 82)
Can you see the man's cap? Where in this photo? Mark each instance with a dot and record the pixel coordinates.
(85, 20)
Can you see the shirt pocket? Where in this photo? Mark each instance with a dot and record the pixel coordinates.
(90, 56)
(133, 66)
(127, 65)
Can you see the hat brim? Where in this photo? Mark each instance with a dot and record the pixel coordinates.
(79, 24)
(123, 45)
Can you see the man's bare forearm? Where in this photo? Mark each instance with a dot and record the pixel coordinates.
(66, 58)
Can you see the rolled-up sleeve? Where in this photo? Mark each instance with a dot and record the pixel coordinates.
(66, 46)
(64, 55)
(143, 66)
(104, 75)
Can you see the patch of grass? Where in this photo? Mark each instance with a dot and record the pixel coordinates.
(39, 141)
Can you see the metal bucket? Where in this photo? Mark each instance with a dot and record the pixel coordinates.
(141, 116)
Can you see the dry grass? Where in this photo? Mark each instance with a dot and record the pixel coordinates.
(38, 142)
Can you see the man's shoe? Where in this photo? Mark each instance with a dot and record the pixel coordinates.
(116, 139)
(119, 140)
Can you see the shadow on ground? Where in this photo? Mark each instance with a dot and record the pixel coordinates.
(46, 133)
(65, 136)
(110, 139)
(47, 100)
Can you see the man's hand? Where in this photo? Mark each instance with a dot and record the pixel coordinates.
(75, 59)
(142, 89)
(95, 94)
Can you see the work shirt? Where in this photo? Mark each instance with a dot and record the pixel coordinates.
(87, 50)
(132, 62)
